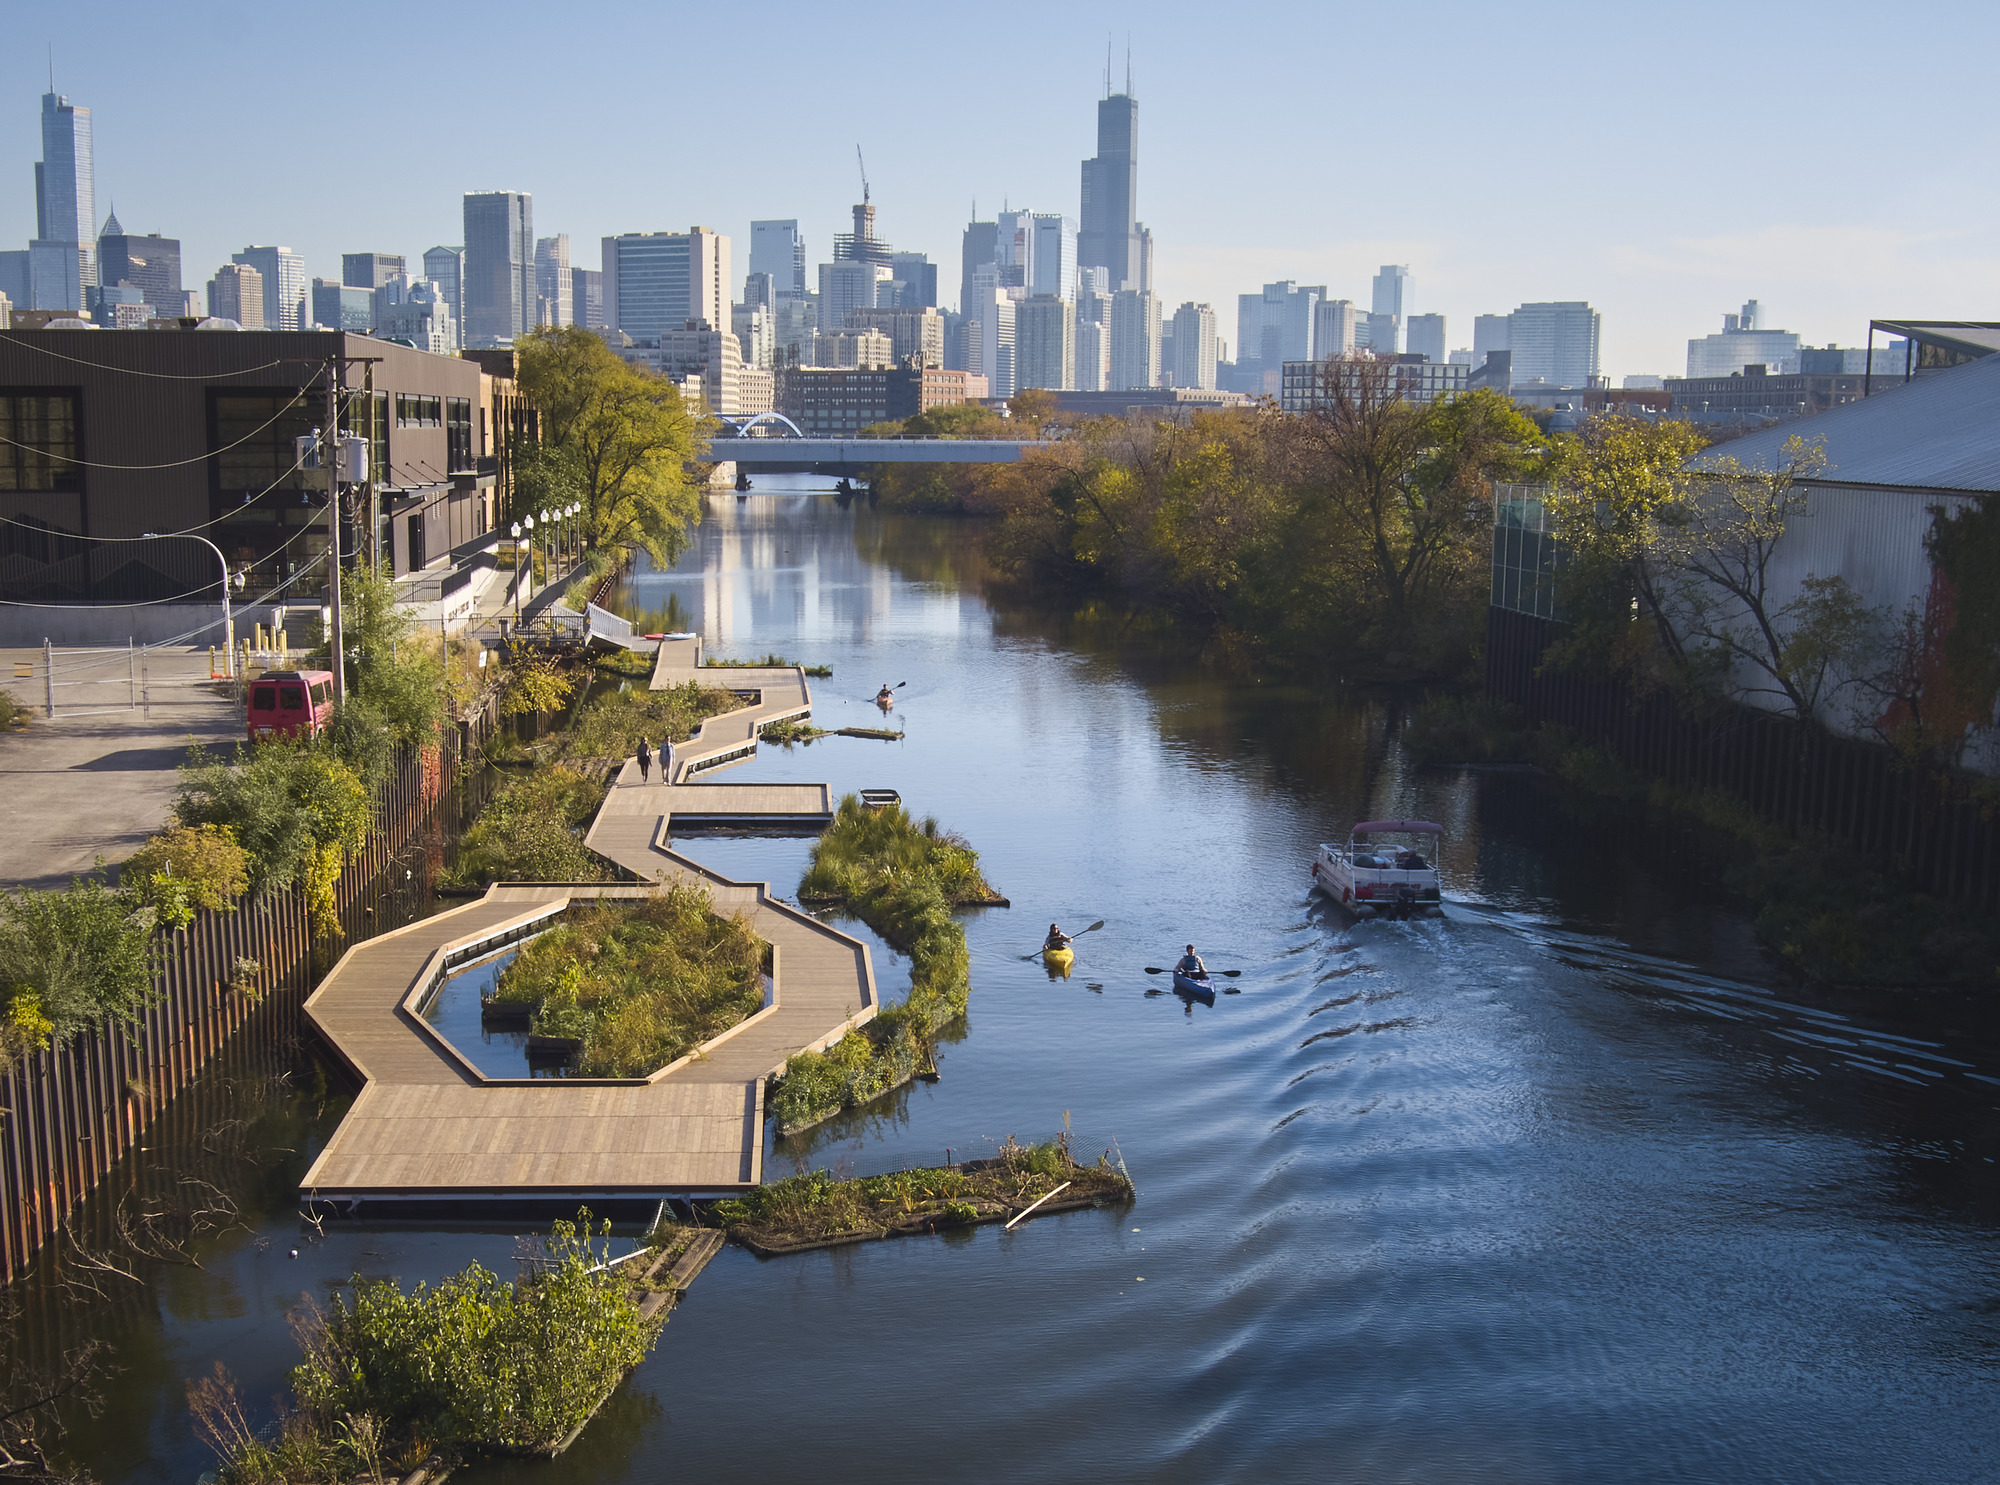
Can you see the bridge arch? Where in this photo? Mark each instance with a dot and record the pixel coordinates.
(742, 426)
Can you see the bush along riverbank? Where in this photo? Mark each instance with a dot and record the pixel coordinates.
(813, 1210)
(631, 986)
(393, 1381)
(902, 877)
(1833, 914)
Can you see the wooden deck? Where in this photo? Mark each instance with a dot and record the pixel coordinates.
(428, 1125)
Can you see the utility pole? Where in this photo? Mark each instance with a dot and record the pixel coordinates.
(329, 458)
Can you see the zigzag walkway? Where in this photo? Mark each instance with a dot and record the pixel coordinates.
(427, 1125)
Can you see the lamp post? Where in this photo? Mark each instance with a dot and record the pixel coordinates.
(548, 538)
(517, 572)
(228, 617)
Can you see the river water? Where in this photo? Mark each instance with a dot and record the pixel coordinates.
(1568, 1186)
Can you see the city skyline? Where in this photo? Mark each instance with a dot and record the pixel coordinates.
(1647, 236)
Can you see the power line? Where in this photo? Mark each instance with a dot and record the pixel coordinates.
(165, 376)
(297, 397)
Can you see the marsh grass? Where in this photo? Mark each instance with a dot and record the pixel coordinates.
(531, 830)
(640, 983)
(610, 726)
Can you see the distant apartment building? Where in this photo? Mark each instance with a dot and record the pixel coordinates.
(853, 346)
(1194, 345)
(831, 403)
(699, 349)
(1312, 386)
(283, 273)
(1053, 258)
(989, 331)
(1093, 339)
(1743, 342)
(340, 307)
(586, 298)
(445, 267)
(915, 333)
(752, 325)
(777, 248)
(371, 270)
(421, 316)
(150, 264)
(237, 293)
(794, 323)
(1044, 343)
(847, 285)
(914, 276)
(1393, 292)
(1489, 333)
(657, 281)
(756, 391)
(1276, 324)
(499, 283)
(553, 288)
(1554, 343)
(1335, 324)
(1423, 335)
(1135, 339)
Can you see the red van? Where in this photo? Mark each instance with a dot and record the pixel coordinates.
(290, 703)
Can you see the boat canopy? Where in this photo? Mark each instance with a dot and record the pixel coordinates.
(1414, 827)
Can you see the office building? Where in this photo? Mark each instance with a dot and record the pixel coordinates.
(237, 293)
(752, 326)
(445, 267)
(1554, 343)
(794, 323)
(498, 289)
(284, 276)
(845, 286)
(553, 304)
(778, 248)
(1278, 323)
(852, 346)
(14, 277)
(1194, 354)
(150, 264)
(862, 245)
(989, 332)
(1092, 338)
(1135, 340)
(370, 270)
(1423, 335)
(1393, 292)
(1335, 325)
(421, 316)
(6, 312)
(657, 281)
(1489, 333)
(979, 248)
(1313, 386)
(1743, 342)
(916, 276)
(715, 356)
(62, 260)
(914, 334)
(339, 307)
(586, 298)
(1054, 255)
(756, 391)
(1044, 343)
(1109, 234)
(834, 403)
(118, 307)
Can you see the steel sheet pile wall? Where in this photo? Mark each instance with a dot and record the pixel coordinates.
(1933, 826)
(71, 1114)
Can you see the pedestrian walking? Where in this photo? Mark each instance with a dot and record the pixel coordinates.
(667, 759)
(645, 760)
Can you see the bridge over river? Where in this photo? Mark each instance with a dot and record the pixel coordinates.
(786, 447)
(429, 1126)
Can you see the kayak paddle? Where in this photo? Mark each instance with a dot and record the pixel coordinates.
(1072, 938)
(1213, 974)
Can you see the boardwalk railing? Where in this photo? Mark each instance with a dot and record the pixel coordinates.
(67, 1116)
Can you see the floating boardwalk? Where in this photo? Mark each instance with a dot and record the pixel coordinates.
(429, 1126)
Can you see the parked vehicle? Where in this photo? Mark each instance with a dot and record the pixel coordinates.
(1375, 878)
(289, 703)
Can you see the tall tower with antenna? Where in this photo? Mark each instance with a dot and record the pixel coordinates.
(1110, 235)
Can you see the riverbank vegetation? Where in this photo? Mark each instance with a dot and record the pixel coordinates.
(71, 960)
(636, 984)
(902, 877)
(391, 1379)
(771, 661)
(813, 1208)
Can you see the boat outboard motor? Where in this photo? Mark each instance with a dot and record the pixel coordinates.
(1406, 900)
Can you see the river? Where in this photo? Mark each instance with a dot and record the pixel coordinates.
(1568, 1186)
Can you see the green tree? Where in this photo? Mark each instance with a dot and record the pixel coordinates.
(71, 960)
(620, 435)
(393, 671)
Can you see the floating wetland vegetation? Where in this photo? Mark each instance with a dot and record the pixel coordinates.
(902, 877)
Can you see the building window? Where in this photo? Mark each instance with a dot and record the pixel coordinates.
(39, 450)
(458, 435)
(253, 435)
(419, 412)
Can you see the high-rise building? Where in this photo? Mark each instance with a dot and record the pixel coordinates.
(1014, 248)
(979, 248)
(1135, 340)
(445, 267)
(862, 245)
(715, 355)
(917, 275)
(284, 277)
(1489, 333)
(499, 284)
(586, 298)
(421, 315)
(15, 278)
(1045, 343)
(370, 270)
(150, 264)
(658, 281)
(553, 290)
(1278, 324)
(1554, 343)
(1393, 292)
(237, 293)
(1194, 346)
(989, 331)
(1334, 325)
(1744, 342)
(777, 248)
(845, 286)
(1054, 256)
(853, 346)
(1093, 336)
(752, 324)
(62, 260)
(915, 334)
(1109, 237)
(794, 323)
(1423, 335)
(342, 307)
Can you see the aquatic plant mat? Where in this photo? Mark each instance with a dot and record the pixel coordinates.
(814, 1210)
(902, 877)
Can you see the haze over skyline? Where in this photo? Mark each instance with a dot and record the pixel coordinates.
(1664, 172)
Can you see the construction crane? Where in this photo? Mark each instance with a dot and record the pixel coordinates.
(864, 173)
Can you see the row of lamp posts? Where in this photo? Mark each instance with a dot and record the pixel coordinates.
(560, 540)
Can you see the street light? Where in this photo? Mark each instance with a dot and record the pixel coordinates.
(517, 569)
(548, 552)
(228, 618)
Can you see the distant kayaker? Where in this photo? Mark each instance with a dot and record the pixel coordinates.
(1191, 965)
(1057, 939)
(645, 760)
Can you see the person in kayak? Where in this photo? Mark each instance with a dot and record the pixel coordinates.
(1057, 939)
(885, 694)
(1191, 965)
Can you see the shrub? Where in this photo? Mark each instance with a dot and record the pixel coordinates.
(611, 725)
(535, 683)
(297, 812)
(188, 869)
(529, 831)
(73, 959)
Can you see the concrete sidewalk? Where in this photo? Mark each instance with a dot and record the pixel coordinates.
(80, 787)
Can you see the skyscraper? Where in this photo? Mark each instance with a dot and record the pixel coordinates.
(1489, 333)
(658, 281)
(918, 276)
(1044, 343)
(1393, 292)
(1333, 328)
(553, 289)
(284, 278)
(1054, 257)
(370, 270)
(237, 293)
(586, 298)
(1424, 335)
(777, 248)
(1194, 346)
(1110, 217)
(445, 267)
(150, 264)
(1014, 248)
(1555, 343)
(1278, 325)
(979, 247)
(1093, 335)
(62, 260)
(1135, 340)
(499, 287)
(846, 286)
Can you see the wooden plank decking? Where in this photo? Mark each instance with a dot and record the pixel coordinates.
(427, 1125)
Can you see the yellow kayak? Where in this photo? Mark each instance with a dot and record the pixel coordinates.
(1060, 959)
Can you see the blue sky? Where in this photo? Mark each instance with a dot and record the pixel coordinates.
(1834, 161)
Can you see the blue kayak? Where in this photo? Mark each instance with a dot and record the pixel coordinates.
(1185, 984)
